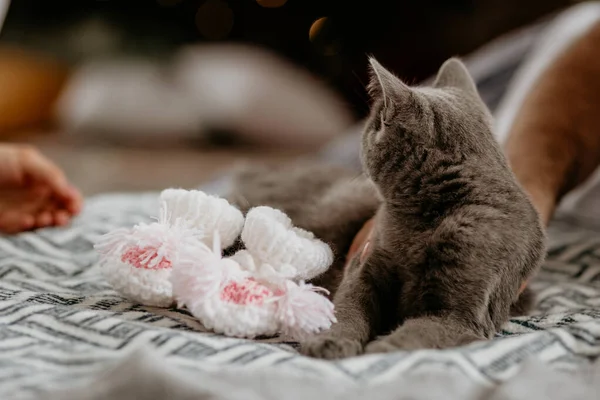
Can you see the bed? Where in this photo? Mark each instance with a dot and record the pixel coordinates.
(64, 333)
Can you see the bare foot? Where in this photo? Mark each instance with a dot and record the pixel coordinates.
(34, 192)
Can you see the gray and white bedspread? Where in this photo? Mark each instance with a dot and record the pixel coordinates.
(60, 322)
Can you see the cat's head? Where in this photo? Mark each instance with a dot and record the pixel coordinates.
(448, 116)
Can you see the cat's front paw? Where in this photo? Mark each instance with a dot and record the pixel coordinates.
(379, 346)
(389, 344)
(384, 346)
(331, 348)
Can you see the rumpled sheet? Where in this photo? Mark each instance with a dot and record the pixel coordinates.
(61, 324)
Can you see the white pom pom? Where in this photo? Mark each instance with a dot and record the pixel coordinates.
(302, 311)
(200, 273)
(137, 262)
(272, 239)
(205, 213)
(222, 295)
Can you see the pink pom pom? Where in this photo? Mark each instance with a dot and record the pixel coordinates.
(303, 311)
(222, 296)
(200, 272)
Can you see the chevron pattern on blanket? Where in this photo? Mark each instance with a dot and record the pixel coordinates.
(60, 322)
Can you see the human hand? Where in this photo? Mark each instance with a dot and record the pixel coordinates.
(34, 192)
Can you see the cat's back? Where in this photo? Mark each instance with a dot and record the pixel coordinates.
(495, 225)
(463, 211)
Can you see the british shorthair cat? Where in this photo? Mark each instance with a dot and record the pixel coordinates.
(453, 238)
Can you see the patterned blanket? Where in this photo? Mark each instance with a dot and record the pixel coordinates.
(60, 322)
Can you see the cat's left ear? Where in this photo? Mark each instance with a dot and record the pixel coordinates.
(386, 85)
(453, 73)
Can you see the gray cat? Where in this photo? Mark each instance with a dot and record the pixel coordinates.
(454, 235)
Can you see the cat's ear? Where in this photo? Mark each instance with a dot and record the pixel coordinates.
(384, 84)
(453, 73)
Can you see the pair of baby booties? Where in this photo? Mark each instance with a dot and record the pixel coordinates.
(258, 291)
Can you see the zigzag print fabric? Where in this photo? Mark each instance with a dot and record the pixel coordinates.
(61, 323)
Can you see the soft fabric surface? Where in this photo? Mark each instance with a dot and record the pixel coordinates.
(144, 376)
(61, 325)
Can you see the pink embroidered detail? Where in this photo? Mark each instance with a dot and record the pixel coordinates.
(245, 293)
(145, 258)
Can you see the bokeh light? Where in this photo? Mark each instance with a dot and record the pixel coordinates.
(271, 3)
(214, 19)
(316, 28)
(322, 36)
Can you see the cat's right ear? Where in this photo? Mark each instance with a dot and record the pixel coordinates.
(453, 73)
(386, 86)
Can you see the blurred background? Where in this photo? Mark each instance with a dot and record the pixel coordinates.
(141, 95)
